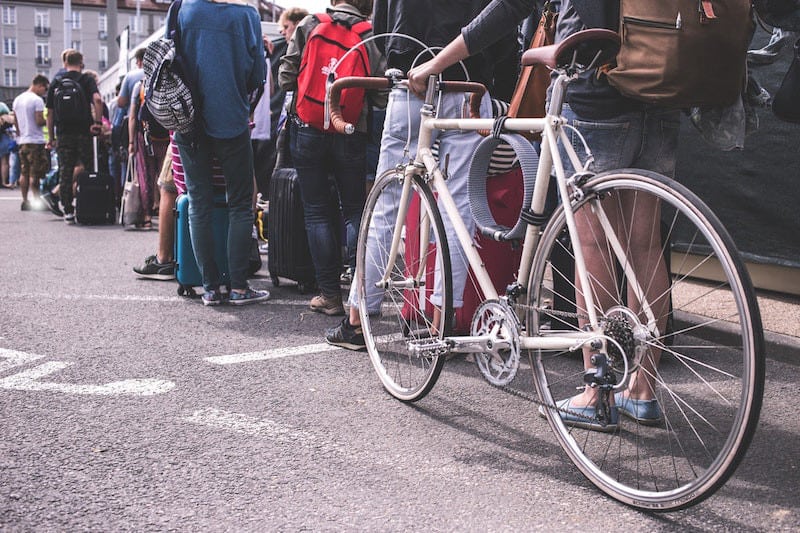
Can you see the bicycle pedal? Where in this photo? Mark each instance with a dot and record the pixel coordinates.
(428, 347)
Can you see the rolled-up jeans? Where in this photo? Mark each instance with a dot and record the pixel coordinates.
(402, 118)
(236, 159)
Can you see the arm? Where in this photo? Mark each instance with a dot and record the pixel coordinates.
(51, 132)
(38, 117)
(132, 126)
(497, 19)
(97, 114)
(290, 62)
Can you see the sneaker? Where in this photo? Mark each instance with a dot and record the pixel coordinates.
(69, 218)
(584, 417)
(769, 54)
(347, 276)
(346, 336)
(645, 412)
(52, 204)
(328, 305)
(212, 297)
(26, 206)
(152, 269)
(249, 296)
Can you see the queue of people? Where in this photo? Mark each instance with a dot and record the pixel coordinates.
(237, 63)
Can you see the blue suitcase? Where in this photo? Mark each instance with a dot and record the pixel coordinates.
(187, 273)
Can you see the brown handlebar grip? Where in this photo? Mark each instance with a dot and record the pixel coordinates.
(338, 122)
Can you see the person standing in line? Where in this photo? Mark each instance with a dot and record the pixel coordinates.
(319, 154)
(623, 133)
(71, 136)
(126, 94)
(435, 24)
(6, 127)
(223, 53)
(264, 152)
(34, 161)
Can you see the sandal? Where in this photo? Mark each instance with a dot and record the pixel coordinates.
(144, 226)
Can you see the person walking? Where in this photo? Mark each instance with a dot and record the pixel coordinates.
(29, 117)
(223, 54)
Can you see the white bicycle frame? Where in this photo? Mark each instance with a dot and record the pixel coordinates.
(552, 131)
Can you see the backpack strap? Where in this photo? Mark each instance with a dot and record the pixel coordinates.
(173, 30)
(362, 27)
(323, 17)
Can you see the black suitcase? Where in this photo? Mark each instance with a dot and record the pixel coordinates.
(95, 199)
(288, 253)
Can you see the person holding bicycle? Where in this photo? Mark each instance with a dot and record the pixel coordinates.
(435, 24)
(623, 133)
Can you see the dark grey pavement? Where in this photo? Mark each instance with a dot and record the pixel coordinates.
(124, 407)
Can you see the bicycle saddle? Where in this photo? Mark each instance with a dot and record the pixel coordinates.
(583, 48)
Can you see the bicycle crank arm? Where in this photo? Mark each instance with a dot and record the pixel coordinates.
(479, 344)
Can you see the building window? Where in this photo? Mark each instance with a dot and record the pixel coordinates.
(102, 22)
(76, 45)
(9, 15)
(42, 52)
(9, 46)
(41, 19)
(76, 20)
(103, 57)
(10, 77)
(133, 24)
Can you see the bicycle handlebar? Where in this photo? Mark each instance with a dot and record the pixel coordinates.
(340, 125)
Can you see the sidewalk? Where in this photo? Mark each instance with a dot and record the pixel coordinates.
(780, 318)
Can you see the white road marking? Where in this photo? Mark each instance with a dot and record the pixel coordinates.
(270, 354)
(14, 358)
(29, 381)
(249, 425)
(126, 298)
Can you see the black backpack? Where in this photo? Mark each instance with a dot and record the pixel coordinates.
(70, 104)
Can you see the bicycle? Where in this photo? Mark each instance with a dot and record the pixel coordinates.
(707, 373)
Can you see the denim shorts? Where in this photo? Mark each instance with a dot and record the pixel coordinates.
(646, 139)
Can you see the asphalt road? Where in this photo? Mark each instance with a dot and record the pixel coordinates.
(124, 407)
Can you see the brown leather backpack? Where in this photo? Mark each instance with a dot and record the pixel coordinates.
(683, 53)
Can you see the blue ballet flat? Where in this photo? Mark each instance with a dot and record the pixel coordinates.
(645, 412)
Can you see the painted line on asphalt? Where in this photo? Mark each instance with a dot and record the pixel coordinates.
(257, 427)
(29, 381)
(13, 358)
(126, 298)
(266, 355)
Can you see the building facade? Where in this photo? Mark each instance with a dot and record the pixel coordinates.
(35, 32)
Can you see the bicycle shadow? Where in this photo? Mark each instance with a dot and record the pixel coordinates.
(512, 437)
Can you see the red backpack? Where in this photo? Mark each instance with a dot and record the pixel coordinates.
(326, 44)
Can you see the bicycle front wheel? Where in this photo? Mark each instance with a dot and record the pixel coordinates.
(698, 351)
(404, 300)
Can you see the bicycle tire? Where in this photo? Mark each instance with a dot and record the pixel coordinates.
(710, 377)
(405, 319)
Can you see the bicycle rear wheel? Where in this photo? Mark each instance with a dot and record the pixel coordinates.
(401, 320)
(704, 357)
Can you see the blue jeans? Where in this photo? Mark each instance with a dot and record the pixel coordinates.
(236, 159)
(645, 139)
(402, 119)
(318, 156)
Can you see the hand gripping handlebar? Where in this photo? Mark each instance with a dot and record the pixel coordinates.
(340, 125)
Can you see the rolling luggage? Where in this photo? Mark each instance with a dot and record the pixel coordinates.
(288, 253)
(187, 273)
(95, 200)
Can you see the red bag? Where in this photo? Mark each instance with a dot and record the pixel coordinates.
(326, 44)
(501, 258)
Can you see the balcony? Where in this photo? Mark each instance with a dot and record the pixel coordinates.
(43, 62)
(102, 35)
(41, 31)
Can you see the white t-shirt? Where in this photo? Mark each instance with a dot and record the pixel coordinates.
(25, 107)
(261, 114)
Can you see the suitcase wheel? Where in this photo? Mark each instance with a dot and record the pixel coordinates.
(187, 291)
